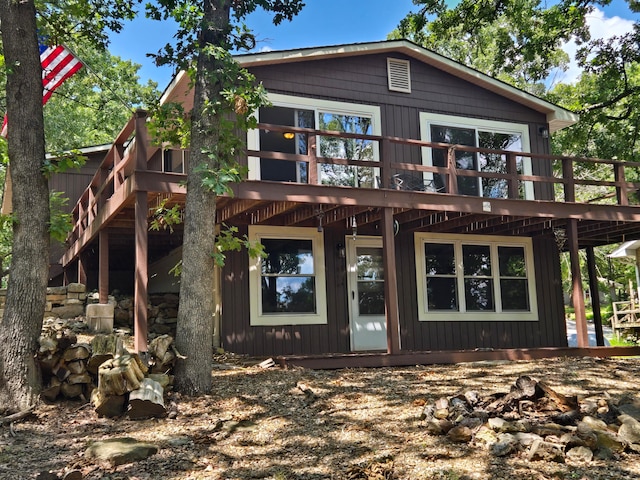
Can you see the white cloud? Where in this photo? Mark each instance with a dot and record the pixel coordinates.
(600, 26)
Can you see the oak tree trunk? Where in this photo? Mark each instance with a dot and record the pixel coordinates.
(194, 335)
(20, 381)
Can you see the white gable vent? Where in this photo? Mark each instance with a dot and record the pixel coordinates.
(399, 75)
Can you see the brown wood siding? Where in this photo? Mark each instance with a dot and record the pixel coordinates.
(238, 336)
(364, 80)
(422, 336)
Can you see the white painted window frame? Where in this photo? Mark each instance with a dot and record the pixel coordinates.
(317, 105)
(424, 315)
(257, 318)
(427, 119)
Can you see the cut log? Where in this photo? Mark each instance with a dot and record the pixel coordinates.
(79, 351)
(107, 405)
(79, 378)
(119, 375)
(48, 344)
(104, 347)
(141, 365)
(48, 363)
(61, 371)
(163, 353)
(76, 367)
(67, 339)
(71, 390)
(565, 404)
(159, 347)
(147, 401)
(162, 378)
(53, 390)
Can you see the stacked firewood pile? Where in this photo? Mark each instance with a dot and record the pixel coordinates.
(538, 422)
(116, 381)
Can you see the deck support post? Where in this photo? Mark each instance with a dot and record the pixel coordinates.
(390, 282)
(82, 269)
(103, 266)
(576, 282)
(595, 295)
(142, 240)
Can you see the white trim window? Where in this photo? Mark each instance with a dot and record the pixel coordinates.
(320, 115)
(475, 132)
(465, 277)
(287, 286)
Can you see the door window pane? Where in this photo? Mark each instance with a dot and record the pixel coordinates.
(464, 160)
(493, 162)
(370, 272)
(272, 141)
(346, 148)
(371, 298)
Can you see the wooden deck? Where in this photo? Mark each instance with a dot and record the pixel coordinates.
(368, 360)
(605, 209)
(116, 208)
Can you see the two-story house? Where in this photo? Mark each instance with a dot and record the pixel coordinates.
(405, 202)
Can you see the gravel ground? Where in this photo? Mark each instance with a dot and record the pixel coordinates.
(302, 424)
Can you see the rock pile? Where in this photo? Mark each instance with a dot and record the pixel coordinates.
(538, 422)
(162, 312)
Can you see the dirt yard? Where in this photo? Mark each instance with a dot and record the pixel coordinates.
(349, 425)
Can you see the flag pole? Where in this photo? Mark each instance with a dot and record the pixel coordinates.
(101, 81)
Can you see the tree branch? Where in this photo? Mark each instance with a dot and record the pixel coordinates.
(611, 101)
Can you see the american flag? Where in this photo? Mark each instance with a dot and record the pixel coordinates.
(58, 64)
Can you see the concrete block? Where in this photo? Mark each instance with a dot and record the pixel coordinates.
(100, 317)
(76, 288)
(56, 290)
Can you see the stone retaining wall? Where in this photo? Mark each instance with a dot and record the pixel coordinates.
(162, 312)
(62, 302)
(69, 302)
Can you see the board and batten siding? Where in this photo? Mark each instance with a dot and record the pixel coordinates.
(548, 331)
(237, 334)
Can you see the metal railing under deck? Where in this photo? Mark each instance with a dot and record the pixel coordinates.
(110, 184)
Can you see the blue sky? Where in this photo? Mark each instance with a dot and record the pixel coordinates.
(321, 22)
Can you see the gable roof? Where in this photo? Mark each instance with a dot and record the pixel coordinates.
(557, 117)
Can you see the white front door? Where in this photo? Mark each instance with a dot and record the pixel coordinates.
(366, 293)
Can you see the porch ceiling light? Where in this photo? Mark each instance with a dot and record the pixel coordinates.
(288, 135)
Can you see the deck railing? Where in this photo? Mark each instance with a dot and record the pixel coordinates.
(397, 164)
(626, 315)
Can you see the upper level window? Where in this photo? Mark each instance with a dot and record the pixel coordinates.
(477, 133)
(287, 286)
(320, 115)
(475, 278)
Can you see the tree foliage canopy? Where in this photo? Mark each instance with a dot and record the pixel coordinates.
(521, 42)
